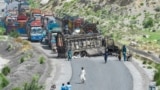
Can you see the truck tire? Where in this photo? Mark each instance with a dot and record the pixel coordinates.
(83, 54)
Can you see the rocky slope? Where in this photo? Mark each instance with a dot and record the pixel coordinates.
(24, 62)
(134, 22)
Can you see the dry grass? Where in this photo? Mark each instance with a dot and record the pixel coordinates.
(25, 44)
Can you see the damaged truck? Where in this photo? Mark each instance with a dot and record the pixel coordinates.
(82, 38)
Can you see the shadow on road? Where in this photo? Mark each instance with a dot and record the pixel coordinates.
(46, 47)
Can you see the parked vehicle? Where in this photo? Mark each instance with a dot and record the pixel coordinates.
(35, 31)
(36, 13)
(52, 38)
(47, 18)
(22, 20)
(11, 24)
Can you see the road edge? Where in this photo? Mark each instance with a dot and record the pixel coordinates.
(140, 78)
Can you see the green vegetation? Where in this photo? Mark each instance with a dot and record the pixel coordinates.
(10, 47)
(152, 35)
(33, 85)
(2, 30)
(157, 77)
(157, 9)
(14, 34)
(22, 59)
(148, 22)
(149, 67)
(6, 70)
(33, 4)
(3, 81)
(41, 60)
(17, 88)
(144, 61)
(141, 4)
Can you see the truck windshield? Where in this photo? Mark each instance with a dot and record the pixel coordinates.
(36, 30)
(37, 16)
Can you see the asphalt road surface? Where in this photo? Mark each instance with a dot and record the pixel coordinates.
(100, 76)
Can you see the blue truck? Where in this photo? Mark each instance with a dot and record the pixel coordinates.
(35, 31)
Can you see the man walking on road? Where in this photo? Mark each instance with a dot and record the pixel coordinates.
(124, 50)
(82, 75)
(106, 55)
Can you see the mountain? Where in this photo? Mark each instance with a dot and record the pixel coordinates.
(131, 22)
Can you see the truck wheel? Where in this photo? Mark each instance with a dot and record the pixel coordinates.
(83, 54)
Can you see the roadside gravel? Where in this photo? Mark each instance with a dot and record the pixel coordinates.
(140, 77)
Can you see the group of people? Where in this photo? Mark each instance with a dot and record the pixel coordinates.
(123, 51)
(66, 87)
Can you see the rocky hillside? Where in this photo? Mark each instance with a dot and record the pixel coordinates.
(134, 22)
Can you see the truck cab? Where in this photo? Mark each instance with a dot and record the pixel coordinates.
(35, 31)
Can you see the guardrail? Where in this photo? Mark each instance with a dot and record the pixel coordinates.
(140, 53)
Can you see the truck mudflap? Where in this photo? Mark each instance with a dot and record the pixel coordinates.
(95, 51)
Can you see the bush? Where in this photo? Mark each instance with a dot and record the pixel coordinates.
(142, 4)
(22, 59)
(2, 31)
(157, 9)
(144, 62)
(14, 34)
(41, 60)
(158, 82)
(3, 81)
(6, 70)
(149, 67)
(10, 47)
(148, 22)
(33, 85)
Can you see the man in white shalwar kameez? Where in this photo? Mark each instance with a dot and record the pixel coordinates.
(82, 75)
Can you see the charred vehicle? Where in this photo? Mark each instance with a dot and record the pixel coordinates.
(83, 38)
(111, 47)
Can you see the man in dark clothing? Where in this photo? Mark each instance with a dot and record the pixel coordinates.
(69, 55)
(119, 55)
(124, 50)
(106, 55)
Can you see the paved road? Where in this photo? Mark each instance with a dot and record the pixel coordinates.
(100, 76)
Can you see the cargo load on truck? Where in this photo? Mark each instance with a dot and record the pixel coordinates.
(36, 13)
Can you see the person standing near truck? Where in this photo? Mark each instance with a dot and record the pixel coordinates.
(69, 54)
(106, 55)
(124, 50)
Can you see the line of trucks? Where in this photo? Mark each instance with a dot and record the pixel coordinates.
(60, 34)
